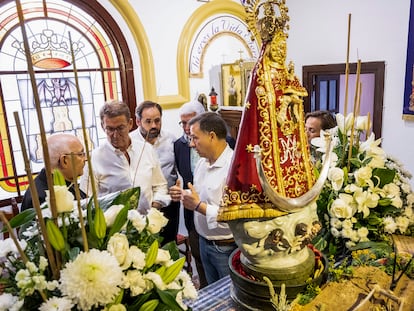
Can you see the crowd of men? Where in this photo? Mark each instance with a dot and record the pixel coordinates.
(190, 171)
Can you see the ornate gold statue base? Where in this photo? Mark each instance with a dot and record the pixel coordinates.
(251, 293)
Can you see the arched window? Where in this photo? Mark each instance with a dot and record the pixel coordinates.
(104, 67)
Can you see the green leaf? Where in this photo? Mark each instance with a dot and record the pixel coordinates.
(172, 248)
(168, 297)
(22, 218)
(73, 253)
(385, 175)
(130, 195)
(139, 301)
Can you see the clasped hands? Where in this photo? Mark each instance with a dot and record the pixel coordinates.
(189, 197)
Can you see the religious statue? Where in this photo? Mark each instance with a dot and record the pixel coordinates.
(269, 199)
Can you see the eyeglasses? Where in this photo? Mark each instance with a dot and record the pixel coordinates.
(112, 130)
(81, 154)
(183, 123)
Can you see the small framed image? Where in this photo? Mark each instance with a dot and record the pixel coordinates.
(231, 84)
(235, 79)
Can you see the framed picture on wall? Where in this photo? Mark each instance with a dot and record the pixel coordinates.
(408, 110)
(231, 82)
(234, 82)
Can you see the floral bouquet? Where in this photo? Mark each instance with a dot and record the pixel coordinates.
(367, 195)
(107, 258)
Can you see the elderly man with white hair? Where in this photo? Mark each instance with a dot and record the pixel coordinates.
(62, 147)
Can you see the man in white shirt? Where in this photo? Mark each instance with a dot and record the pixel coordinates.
(149, 120)
(120, 163)
(208, 135)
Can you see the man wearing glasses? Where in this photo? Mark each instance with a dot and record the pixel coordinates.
(121, 163)
(62, 147)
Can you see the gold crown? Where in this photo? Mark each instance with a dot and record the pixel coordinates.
(49, 52)
(266, 17)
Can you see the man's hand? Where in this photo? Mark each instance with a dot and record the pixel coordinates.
(175, 191)
(190, 198)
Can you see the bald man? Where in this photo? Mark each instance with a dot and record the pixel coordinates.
(60, 147)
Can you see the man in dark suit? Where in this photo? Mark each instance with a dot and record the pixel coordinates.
(61, 146)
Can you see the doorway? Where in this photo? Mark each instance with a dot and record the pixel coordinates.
(326, 89)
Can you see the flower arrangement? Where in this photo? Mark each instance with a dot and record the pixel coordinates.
(367, 195)
(108, 258)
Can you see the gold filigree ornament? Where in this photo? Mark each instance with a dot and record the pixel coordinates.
(266, 17)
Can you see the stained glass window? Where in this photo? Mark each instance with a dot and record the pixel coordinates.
(51, 27)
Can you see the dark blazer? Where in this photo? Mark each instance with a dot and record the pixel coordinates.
(41, 186)
(182, 160)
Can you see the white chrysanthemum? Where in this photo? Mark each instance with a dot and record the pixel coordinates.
(406, 187)
(408, 212)
(335, 222)
(7, 246)
(137, 256)
(347, 224)
(389, 225)
(52, 285)
(347, 233)
(410, 199)
(189, 290)
(136, 283)
(156, 279)
(43, 263)
(402, 223)
(179, 300)
(8, 301)
(335, 232)
(57, 304)
(350, 244)
(363, 234)
(92, 279)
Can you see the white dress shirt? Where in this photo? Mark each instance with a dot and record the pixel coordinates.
(164, 147)
(209, 182)
(113, 172)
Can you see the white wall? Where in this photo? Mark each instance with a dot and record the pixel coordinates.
(379, 32)
(318, 35)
